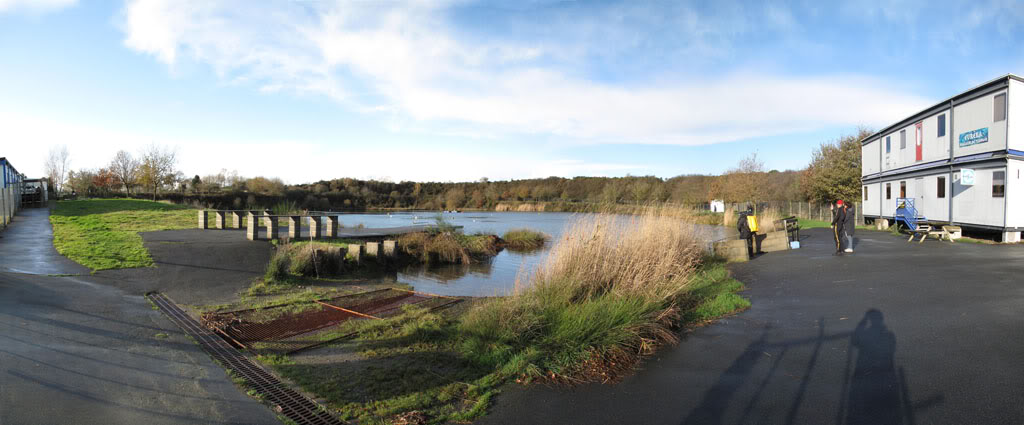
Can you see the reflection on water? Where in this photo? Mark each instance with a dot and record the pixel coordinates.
(494, 277)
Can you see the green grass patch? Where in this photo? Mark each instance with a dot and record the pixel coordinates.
(524, 239)
(448, 367)
(103, 234)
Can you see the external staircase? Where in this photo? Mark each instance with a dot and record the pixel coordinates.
(907, 213)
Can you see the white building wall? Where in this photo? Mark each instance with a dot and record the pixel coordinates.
(928, 202)
(889, 202)
(1015, 116)
(975, 115)
(871, 205)
(869, 155)
(1014, 193)
(975, 204)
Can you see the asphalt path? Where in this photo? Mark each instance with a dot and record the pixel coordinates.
(74, 350)
(896, 333)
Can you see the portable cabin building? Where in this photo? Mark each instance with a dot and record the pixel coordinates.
(10, 191)
(957, 162)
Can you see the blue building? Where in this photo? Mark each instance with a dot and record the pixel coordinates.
(10, 191)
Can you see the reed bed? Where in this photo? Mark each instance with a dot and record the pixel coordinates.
(609, 293)
(524, 239)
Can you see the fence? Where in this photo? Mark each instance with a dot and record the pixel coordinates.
(807, 210)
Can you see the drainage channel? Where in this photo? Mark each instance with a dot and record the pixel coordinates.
(291, 404)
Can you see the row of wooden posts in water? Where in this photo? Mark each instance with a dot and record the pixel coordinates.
(269, 220)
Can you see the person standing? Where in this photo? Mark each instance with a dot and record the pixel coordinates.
(838, 218)
(849, 225)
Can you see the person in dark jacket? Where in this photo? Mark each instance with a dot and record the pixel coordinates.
(838, 219)
(743, 226)
(849, 225)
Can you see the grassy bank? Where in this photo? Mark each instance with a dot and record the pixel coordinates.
(605, 298)
(104, 233)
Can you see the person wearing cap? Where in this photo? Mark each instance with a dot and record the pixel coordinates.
(849, 224)
(838, 219)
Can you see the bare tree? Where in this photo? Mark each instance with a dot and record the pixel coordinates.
(126, 168)
(57, 164)
(156, 168)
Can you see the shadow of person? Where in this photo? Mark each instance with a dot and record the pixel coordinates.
(875, 395)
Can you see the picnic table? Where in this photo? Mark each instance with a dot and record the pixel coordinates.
(926, 230)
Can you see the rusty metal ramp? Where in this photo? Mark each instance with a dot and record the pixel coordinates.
(286, 401)
(298, 326)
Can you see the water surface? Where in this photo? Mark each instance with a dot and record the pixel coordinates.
(494, 277)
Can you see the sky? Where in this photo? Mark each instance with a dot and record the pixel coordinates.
(458, 90)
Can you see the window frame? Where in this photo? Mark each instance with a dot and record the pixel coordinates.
(941, 126)
(998, 106)
(999, 191)
(940, 187)
(888, 144)
(903, 139)
(903, 189)
(865, 193)
(888, 190)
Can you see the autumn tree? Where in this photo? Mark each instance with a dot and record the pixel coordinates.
(834, 172)
(156, 169)
(126, 168)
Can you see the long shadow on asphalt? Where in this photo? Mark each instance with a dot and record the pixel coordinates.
(874, 392)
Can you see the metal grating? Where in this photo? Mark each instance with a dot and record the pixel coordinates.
(289, 403)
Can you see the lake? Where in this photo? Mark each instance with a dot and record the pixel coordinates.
(494, 277)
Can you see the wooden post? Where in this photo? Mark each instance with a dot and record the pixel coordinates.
(272, 228)
(294, 227)
(252, 228)
(332, 226)
(203, 216)
(314, 227)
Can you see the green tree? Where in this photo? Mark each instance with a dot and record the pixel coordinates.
(834, 172)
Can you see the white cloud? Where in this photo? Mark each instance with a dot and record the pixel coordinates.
(412, 61)
(93, 147)
(34, 6)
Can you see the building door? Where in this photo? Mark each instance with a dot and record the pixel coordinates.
(919, 195)
(918, 141)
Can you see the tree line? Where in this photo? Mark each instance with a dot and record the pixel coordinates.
(833, 173)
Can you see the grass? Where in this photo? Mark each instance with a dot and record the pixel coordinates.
(605, 298)
(524, 239)
(103, 234)
(448, 247)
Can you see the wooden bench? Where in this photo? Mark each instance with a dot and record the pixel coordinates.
(926, 230)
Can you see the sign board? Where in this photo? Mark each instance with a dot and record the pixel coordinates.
(974, 137)
(967, 177)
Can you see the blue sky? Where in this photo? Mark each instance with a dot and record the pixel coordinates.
(458, 90)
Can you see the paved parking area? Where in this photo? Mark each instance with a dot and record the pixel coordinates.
(76, 351)
(896, 333)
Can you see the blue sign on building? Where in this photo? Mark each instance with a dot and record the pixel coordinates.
(974, 137)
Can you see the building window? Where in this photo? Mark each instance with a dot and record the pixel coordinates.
(903, 139)
(865, 193)
(998, 184)
(942, 125)
(940, 189)
(888, 191)
(903, 189)
(888, 144)
(1000, 108)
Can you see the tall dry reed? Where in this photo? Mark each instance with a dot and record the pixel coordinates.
(609, 292)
